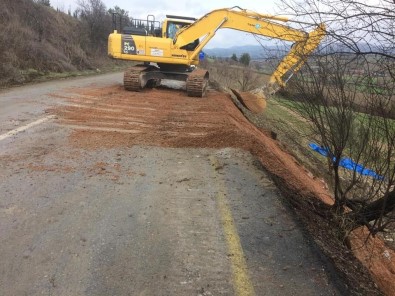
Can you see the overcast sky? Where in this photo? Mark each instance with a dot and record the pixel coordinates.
(192, 8)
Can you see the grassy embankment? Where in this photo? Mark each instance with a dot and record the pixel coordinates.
(38, 42)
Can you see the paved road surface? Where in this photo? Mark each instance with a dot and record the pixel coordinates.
(139, 220)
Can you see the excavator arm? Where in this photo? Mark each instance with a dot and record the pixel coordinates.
(258, 24)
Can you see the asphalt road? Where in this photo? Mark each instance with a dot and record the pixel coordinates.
(140, 220)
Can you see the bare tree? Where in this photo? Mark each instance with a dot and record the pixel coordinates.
(247, 78)
(362, 27)
(44, 2)
(96, 21)
(232, 75)
(346, 91)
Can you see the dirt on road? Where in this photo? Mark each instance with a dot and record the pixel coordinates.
(95, 214)
(111, 117)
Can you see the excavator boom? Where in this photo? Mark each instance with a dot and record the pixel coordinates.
(258, 24)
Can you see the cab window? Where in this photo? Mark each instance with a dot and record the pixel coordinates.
(172, 28)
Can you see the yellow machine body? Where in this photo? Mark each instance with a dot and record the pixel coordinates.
(148, 49)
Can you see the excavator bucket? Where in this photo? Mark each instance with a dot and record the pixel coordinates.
(253, 101)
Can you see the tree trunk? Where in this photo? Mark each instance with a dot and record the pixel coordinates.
(372, 211)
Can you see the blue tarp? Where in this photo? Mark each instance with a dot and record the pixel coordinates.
(347, 163)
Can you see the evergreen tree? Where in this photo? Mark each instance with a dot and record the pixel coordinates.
(245, 59)
(234, 57)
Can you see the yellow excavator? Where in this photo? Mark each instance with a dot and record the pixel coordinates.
(171, 49)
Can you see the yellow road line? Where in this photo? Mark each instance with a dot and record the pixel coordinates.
(241, 281)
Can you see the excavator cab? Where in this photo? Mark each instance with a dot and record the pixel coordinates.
(173, 23)
(172, 28)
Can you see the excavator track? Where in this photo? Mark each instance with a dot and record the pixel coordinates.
(137, 77)
(132, 78)
(197, 83)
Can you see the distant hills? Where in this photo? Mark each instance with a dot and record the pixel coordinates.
(261, 52)
(255, 51)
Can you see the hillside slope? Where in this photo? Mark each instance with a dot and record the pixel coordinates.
(36, 39)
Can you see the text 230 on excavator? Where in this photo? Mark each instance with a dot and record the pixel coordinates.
(174, 46)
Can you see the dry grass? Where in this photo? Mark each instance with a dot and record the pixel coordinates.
(36, 40)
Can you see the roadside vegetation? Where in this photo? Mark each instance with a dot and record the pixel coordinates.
(38, 41)
(346, 92)
(234, 72)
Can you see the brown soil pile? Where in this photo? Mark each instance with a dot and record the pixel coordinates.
(111, 117)
(253, 102)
